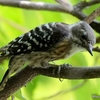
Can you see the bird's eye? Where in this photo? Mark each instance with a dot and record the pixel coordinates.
(83, 36)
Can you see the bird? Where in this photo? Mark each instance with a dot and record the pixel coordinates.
(46, 43)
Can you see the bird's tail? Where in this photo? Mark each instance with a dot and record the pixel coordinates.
(3, 54)
(4, 80)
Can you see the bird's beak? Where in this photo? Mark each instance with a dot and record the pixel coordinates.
(89, 49)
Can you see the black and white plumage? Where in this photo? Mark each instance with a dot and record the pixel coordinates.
(48, 42)
(39, 39)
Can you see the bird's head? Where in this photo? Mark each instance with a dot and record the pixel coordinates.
(83, 36)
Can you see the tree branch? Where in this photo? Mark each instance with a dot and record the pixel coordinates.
(44, 6)
(73, 10)
(65, 4)
(92, 16)
(96, 49)
(83, 4)
(34, 5)
(98, 39)
(66, 72)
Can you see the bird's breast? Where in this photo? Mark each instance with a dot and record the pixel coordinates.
(64, 50)
(61, 50)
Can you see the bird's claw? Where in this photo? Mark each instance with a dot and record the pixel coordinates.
(59, 69)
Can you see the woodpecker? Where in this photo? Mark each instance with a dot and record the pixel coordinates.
(45, 43)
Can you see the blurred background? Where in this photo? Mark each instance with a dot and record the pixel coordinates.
(16, 21)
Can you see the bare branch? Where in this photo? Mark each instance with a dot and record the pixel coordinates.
(92, 16)
(94, 25)
(96, 49)
(75, 10)
(44, 6)
(66, 72)
(65, 4)
(83, 4)
(34, 5)
(98, 39)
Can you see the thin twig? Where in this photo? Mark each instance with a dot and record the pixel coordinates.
(83, 4)
(92, 16)
(96, 49)
(98, 39)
